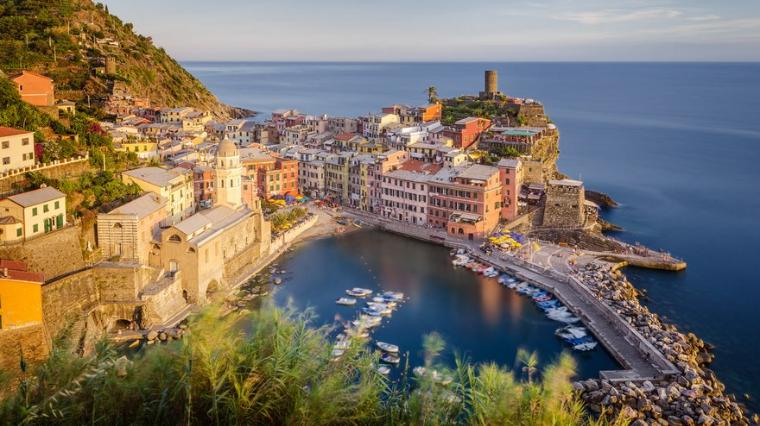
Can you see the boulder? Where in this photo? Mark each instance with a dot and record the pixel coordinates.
(152, 335)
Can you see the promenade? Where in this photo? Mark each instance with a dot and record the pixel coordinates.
(639, 358)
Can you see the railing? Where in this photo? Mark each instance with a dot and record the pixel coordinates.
(42, 166)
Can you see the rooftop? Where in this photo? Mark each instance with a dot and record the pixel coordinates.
(10, 131)
(155, 175)
(38, 196)
(478, 172)
(15, 270)
(142, 206)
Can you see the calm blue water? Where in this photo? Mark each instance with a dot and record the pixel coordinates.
(477, 317)
(677, 144)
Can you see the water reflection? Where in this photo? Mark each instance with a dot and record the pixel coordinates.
(476, 316)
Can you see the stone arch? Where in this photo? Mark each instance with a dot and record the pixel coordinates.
(211, 288)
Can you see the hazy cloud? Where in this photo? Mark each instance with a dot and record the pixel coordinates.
(610, 16)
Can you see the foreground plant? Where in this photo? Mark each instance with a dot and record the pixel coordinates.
(272, 367)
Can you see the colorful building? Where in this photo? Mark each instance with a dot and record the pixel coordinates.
(466, 131)
(405, 191)
(20, 295)
(510, 176)
(32, 213)
(274, 175)
(175, 185)
(16, 149)
(35, 89)
(466, 200)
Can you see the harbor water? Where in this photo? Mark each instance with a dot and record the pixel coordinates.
(480, 319)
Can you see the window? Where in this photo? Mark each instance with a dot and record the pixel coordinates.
(35, 228)
(6, 160)
(45, 208)
(6, 144)
(19, 231)
(34, 212)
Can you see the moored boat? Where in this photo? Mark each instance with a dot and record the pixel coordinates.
(387, 347)
(359, 292)
(346, 301)
(390, 358)
(384, 370)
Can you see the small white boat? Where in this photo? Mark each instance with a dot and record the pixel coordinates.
(367, 322)
(585, 346)
(346, 301)
(337, 353)
(419, 371)
(396, 296)
(342, 344)
(384, 370)
(387, 347)
(359, 292)
(390, 358)
(384, 309)
(571, 332)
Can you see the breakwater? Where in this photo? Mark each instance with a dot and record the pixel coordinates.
(665, 380)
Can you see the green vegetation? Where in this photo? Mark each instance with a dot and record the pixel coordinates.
(68, 40)
(271, 367)
(458, 108)
(282, 221)
(90, 193)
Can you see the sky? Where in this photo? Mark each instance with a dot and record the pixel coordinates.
(449, 30)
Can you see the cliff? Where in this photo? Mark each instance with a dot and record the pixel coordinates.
(71, 41)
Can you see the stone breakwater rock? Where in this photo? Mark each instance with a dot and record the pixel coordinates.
(693, 397)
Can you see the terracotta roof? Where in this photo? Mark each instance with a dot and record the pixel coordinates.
(16, 270)
(14, 76)
(10, 131)
(345, 136)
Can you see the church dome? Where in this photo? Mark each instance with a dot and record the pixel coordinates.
(227, 148)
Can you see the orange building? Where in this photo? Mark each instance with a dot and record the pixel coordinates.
(466, 131)
(35, 89)
(20, 295)
(467, 201)
(274, 175)
(430, 112)
(510, 175)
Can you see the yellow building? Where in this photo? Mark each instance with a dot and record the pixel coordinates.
(33, 213)
(20, 295)
(145, 150)
(175, 185)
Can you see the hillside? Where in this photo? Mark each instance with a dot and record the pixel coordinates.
(69, 40)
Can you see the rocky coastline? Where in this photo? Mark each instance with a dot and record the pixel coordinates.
(694, 396)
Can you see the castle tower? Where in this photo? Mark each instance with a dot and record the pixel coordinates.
(492, 82)
(110, 65)
(228, 174)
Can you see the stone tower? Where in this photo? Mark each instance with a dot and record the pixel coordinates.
(491, 86)
(228, 172)
(492, 82)
(110, 65)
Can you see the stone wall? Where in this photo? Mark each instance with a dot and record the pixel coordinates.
(54, 254)
(291, 234)
(30, 340)
(75, 296)
(564, 206)
(75, 167)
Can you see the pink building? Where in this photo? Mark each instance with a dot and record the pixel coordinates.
(404, 194)
(510, 176)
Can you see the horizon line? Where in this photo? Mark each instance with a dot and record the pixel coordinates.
(397, 61)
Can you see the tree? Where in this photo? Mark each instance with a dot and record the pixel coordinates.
(432, 94)
(529, 361)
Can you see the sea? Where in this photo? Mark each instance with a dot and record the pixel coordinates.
(676, 144)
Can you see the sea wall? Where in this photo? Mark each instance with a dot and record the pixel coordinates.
(287, 237)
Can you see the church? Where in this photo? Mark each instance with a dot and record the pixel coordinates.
(209, 249)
